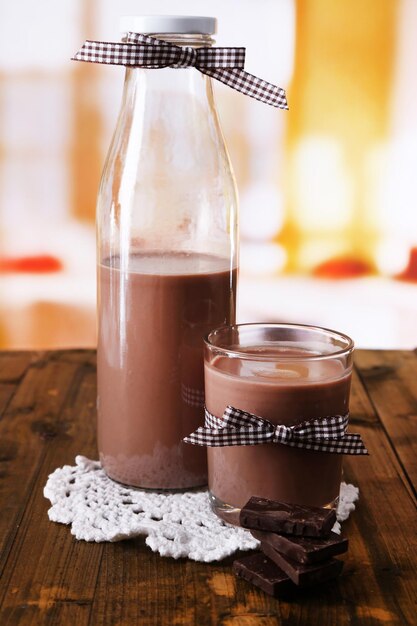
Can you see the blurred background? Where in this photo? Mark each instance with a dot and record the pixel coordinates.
(328, 190)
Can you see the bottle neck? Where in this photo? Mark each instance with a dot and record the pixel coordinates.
(144, 88)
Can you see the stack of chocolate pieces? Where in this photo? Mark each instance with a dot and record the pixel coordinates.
(297, 545)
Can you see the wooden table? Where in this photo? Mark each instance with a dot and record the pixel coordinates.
(47, 408)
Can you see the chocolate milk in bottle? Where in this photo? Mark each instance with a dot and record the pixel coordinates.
(167, 266)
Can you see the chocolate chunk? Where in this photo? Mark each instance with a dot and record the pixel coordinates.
(304, 575)
(292, 519)
(304, 549)
(259, 570)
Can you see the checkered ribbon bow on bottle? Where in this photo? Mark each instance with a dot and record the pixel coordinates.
(223, 64)
(239, 428)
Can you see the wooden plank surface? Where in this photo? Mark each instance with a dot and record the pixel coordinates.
(47, 586)
(391, 382)
(48, 416)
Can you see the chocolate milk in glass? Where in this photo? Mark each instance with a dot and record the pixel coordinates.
(167, 259)
(288, 391)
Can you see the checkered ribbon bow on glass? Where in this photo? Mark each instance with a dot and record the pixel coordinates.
(223, 64)
(239, 428)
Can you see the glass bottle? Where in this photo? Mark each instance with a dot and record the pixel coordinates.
(167, 265)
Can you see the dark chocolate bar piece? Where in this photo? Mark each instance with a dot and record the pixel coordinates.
(304, 549)
(291, 519)
(259, 570)
(304, 575)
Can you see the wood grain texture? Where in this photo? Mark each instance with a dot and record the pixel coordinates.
(13, 365)
(52, 417)
(391, 382)
(49, 578)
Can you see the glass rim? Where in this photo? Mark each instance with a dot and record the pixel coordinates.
(258, 357)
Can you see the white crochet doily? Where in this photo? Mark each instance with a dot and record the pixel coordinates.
(175, 524)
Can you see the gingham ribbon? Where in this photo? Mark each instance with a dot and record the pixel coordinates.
(223, 64)
(192, 397)
(239, 428)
